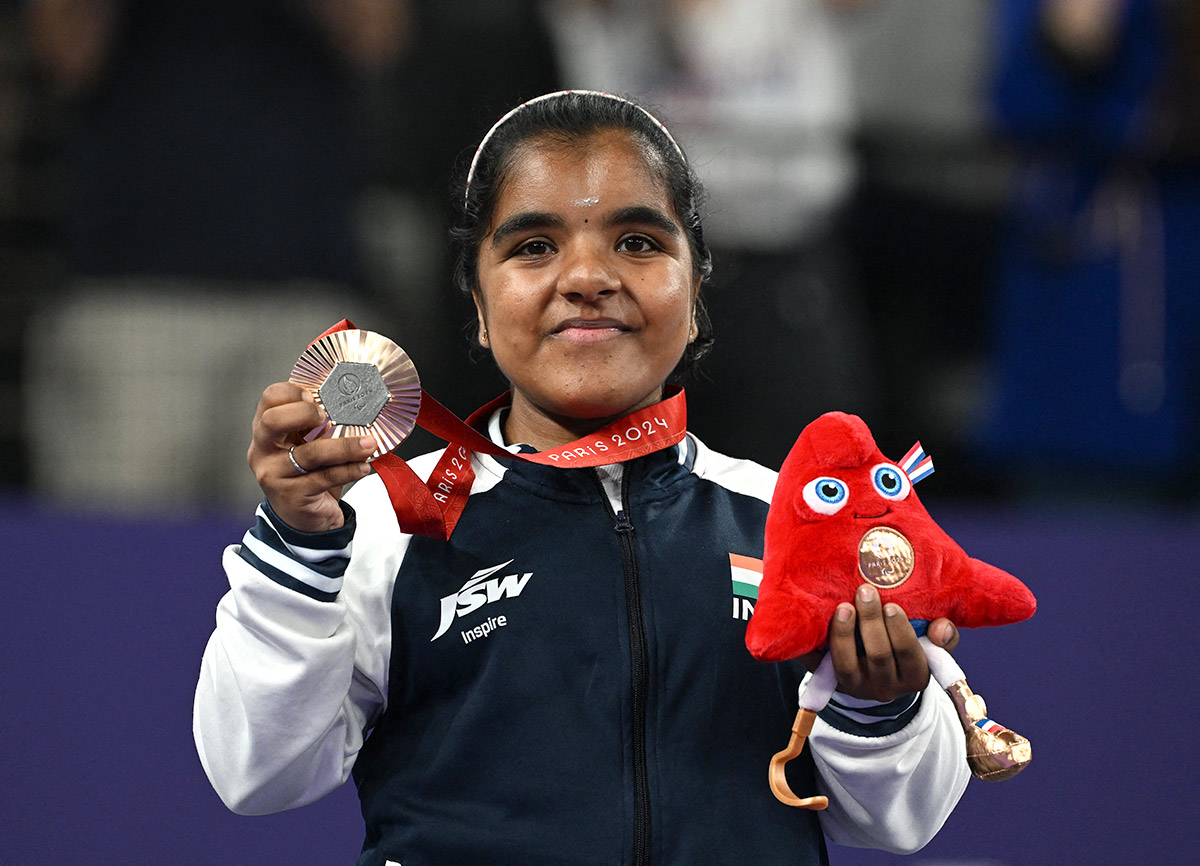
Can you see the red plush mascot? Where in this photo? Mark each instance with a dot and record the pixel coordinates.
(843, 513)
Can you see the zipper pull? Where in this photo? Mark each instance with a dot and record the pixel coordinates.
(623, 525)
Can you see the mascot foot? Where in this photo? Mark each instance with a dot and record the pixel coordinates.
(801, 728)
(994, 753)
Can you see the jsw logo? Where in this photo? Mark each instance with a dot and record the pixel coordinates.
(478, 591)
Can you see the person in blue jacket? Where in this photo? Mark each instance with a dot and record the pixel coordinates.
(1096, 358)
(564, 679)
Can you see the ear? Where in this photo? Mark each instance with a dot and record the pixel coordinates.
(694, 330)
(481, 316)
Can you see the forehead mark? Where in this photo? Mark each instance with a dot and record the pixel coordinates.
(586, 202)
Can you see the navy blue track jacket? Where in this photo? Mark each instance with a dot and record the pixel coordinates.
(565, 681)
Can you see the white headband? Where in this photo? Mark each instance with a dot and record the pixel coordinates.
(556, 94)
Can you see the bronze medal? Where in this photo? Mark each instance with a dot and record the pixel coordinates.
(365, 383)
(885, 557)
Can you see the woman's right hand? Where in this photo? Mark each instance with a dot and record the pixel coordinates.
(306, 501)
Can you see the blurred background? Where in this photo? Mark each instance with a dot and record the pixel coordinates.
(972, 222)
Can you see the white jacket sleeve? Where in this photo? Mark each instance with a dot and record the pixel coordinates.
(295, 672)
(893, 791)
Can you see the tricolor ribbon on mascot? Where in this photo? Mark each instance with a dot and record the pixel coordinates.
(433, 507)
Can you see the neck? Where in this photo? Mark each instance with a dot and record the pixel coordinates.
(536, 426)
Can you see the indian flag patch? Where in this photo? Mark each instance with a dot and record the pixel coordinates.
(747, 575)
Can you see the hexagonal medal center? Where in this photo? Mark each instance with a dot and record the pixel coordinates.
(353, 393)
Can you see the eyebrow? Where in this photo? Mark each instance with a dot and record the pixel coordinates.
(632, 215)
(524, 221)
(644, 215)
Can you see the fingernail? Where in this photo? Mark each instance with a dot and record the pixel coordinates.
(364, 468)
(844, 612)
(866, 593)
(890, 609)
(367, 442)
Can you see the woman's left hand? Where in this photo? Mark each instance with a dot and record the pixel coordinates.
(892, 662)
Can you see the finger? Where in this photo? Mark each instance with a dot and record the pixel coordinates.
(321, 465)
(287, 422)
(311, 458)
(844, 648)
(318, 481)
(279, 393)
(944, 633)
(877, 645)
(912, 670)
(284, 411)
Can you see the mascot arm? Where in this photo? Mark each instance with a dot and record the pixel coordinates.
(990, 596)
(787, 623)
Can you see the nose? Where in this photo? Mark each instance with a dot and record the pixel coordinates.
(587, 274)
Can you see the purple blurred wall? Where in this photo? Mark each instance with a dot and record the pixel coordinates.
(104, 621)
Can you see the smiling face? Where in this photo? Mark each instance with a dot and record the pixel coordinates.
(587, 288)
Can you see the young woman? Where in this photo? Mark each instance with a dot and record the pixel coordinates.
(565, 679)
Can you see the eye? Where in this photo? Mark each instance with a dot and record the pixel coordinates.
(825, 495)
(636, 244)
(534, 248)
(890, 481)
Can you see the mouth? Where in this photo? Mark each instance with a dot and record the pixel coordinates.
(883, 513)
(578, 330)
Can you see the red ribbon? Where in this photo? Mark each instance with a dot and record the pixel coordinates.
(432, 508)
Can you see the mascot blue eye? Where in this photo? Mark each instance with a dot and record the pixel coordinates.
(826, 495)
(890, 481)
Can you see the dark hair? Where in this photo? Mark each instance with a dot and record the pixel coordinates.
(572, 117)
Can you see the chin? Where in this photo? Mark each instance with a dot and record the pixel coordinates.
(595, 409)
(595, 405)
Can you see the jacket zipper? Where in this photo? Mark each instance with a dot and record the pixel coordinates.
(639, 668)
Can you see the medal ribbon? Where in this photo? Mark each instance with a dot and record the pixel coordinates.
(432, 508)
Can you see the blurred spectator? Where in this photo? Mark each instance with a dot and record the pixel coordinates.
(27, 262)
(212, 162)
(1099, 315)
(926, 214)
(760, 91)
